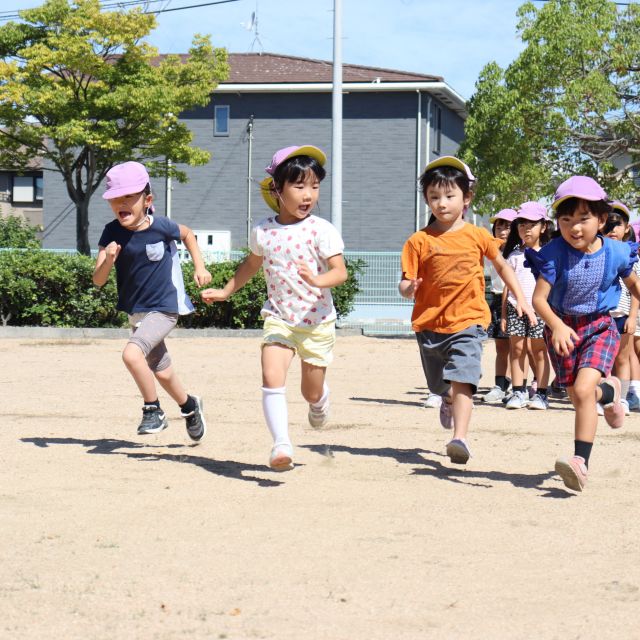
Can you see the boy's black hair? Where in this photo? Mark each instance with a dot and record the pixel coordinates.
(295, 168)
(597, 207)
(514, 241)
(445, 176)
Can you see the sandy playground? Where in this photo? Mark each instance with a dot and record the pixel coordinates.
(374, 535)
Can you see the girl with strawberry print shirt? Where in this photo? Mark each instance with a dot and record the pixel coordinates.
(302, 258)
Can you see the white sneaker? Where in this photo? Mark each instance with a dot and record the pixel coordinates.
(433, 401)
(318, 418)
(599, 409)
(519, 400)
(538, 402)
(281, 458)
(493, 395)
(625, 406)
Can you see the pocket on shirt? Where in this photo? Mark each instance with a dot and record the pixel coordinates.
(155, 251)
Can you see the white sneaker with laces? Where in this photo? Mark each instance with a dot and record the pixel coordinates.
(519, 400)
(318, 418)
(433, 401)
(496, 394)
(538, 402)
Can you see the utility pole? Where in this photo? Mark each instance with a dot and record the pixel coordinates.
(250, 151)
(167, 193)
(336, 119)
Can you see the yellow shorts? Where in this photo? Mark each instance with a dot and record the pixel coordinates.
(313, 344)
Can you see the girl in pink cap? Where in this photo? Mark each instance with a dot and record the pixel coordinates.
(142, 247)
(577, 286)
(529, 230)
(301, 255)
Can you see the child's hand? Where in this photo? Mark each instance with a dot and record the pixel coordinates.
(630, 325)
(201, 277)
(414, 285)
(304, 271)
(213, 295)
(112, 250)
(563, 339)
(527, 310)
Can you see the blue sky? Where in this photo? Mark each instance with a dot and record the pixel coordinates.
(452, 38)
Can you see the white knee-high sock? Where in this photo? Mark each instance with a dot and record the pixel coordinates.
(274, 405)
(323, 400)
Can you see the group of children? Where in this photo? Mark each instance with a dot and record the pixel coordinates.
(556, 299)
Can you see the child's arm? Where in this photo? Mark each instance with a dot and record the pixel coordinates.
(200, 273)
(104, 262)
(632, 321)
(245, 271)
(407, 288)
(508, 276)
(562, 337)
(336, 275)
(503, 310)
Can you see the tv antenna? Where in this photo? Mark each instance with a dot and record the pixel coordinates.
(252, 26)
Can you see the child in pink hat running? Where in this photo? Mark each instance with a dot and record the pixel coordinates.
(577, 285)
(302, 258)
(142, 247)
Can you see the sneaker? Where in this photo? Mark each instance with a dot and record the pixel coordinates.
(281, 458)
(538, 402)
(533, 389)
(633, 400)
(318, 417)
(196, 426)
(625, 406)
(519, 400)
(446, 415)
(557, 391)
(507, 397)
(493, 395)
(573, 472)
(613, 412)
(458, 451)
(433, 401)
(599, 409)
(153, 420)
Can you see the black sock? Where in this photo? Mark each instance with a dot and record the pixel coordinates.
(607, 394)
(155, 403)
(189, 406)
(519, 388)
(502, 382)
(582, 449)
(542, 392)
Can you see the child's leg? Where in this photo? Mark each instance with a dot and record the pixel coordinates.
(462, 405)
(502, 357)
(135, 361)
(541, 361)
(276, 360)
(584, 394)
(517, 355)
(622, 365)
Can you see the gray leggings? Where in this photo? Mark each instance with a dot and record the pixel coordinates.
(148, 331)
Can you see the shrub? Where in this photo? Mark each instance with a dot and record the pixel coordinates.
(16, 233)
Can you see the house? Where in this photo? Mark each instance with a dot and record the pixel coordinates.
(394, 122)
(21, 194)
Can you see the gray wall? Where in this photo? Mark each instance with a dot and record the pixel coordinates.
(379, 172)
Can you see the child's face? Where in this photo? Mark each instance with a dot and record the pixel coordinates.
(447, 203)
(617, 228)
(130, 210)
(529, 232)
(581, 227)
(501, 229)
(297, 199)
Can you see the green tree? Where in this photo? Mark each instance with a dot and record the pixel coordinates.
(80, 88)
(18, 234)
(567, 104)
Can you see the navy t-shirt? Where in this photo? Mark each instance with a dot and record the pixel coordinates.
(148, 270)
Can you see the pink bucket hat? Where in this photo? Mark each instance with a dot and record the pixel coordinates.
(125, 179)
(533, 211)
(451, 161)
(504, 214)
(616, 205)
(278, 158)
(578, 187)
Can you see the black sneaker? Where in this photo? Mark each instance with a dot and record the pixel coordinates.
(196, 426)
(153, 420)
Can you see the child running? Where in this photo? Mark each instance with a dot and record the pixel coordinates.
(577, 286)
(301, 255)
(500, 230)
(442, 270)
(150, 290)
(530, 230)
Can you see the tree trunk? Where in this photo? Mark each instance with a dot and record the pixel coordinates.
(82, 227)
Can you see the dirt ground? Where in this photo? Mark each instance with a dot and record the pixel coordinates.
(374, 535)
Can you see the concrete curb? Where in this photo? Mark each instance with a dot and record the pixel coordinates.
(60, 333)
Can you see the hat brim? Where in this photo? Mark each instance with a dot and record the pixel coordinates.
(449, 161)
(267, 193)
(495, 219)
(118, 192)
(623, 211)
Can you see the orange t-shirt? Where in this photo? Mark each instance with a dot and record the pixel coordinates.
(451, 295)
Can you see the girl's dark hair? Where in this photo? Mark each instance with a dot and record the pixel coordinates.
(493, 228)
(445, 176)
(514, 241)
(614, 218)
(597, 207)
(295, 168)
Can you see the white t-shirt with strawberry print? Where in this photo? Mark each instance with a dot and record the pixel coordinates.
(283, 247)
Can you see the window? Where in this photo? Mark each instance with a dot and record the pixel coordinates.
(27, 189)
(221, 120)
(437, 129)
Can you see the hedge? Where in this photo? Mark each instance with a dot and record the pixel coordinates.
(40, 288)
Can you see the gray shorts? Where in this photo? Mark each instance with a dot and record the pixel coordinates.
(148, 331)
(452, 357)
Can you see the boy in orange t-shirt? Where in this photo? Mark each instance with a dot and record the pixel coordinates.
(442, 270)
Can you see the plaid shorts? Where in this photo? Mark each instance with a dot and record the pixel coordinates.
(596, 348)
(520, 326)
